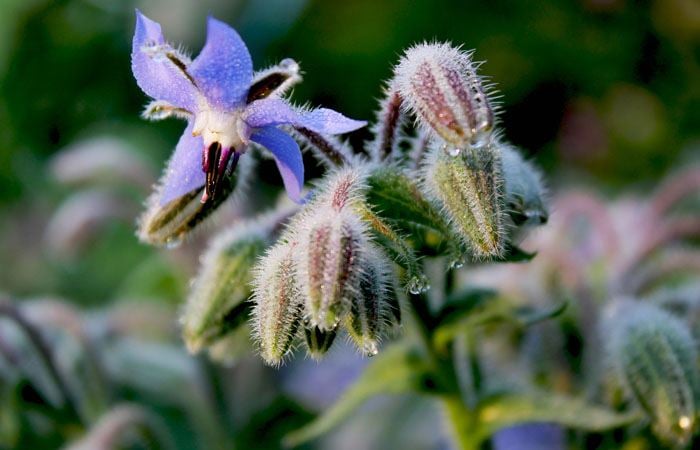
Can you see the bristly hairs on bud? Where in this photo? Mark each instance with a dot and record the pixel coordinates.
(330, 264)
(388, 125)
(278, 303)
(217, 302)
(171, 223)
(372, 310)
(469, 189)
(440, 86)
(655, 356)
(525, 193)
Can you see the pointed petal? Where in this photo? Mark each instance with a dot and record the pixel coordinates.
(223, 70)
(184, 171)
(287, 156)
(272, 111)
(158, 68)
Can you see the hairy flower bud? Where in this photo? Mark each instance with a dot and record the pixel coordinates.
(168, 224)
(524, 189)
(330, 257)
(655, 356)
(217, 301)
(318, 341)
(370, 311)
(440, 86)
(278, 302)
(469, 187)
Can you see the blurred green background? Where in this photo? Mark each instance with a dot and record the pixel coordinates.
(601, 92)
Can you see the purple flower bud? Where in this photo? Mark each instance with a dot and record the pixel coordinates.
(330, 258)
(278, 303)
(440, 86)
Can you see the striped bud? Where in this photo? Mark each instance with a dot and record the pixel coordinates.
(330, 258)
(278, 303)
(469, 188)
(167, 225)
(217, 301)
(655, 356)
(440, 86)
(370, 311)
(524, 189)
(318, 342)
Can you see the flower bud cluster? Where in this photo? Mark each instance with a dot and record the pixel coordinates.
(324, 274)
(482, 185)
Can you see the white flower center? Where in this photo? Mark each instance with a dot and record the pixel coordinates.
(226, 128)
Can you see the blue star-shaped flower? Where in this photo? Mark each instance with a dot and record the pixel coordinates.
(211, 92)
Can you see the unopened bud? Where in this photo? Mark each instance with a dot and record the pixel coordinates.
(329, 265)
(654, 355)
(278, 303)
(168, 224)
(524, 189)
(318, 341)
(217, 301)
(370, 311)
(439, 84)
(469, 187)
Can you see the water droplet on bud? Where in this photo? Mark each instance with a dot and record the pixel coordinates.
(371, 349)
(418, 285)
(457, 263)
(451, 150)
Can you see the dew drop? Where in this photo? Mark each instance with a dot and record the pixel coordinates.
(480, 138)
(451, 151)
(418, 285)
(370, 349)
(685, 422)
(457, 263)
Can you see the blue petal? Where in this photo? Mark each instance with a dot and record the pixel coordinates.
(287, 156)
(155, 72)
(223, 70)
(270, 112)
(184, 171)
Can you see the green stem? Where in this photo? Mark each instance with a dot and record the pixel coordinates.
(461, 423)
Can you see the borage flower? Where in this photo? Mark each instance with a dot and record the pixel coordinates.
(225, 110)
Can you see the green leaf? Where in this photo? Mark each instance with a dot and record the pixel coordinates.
(479, 307)
(397, 370)
(463, 303)
(502, 410)
(399, 200)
